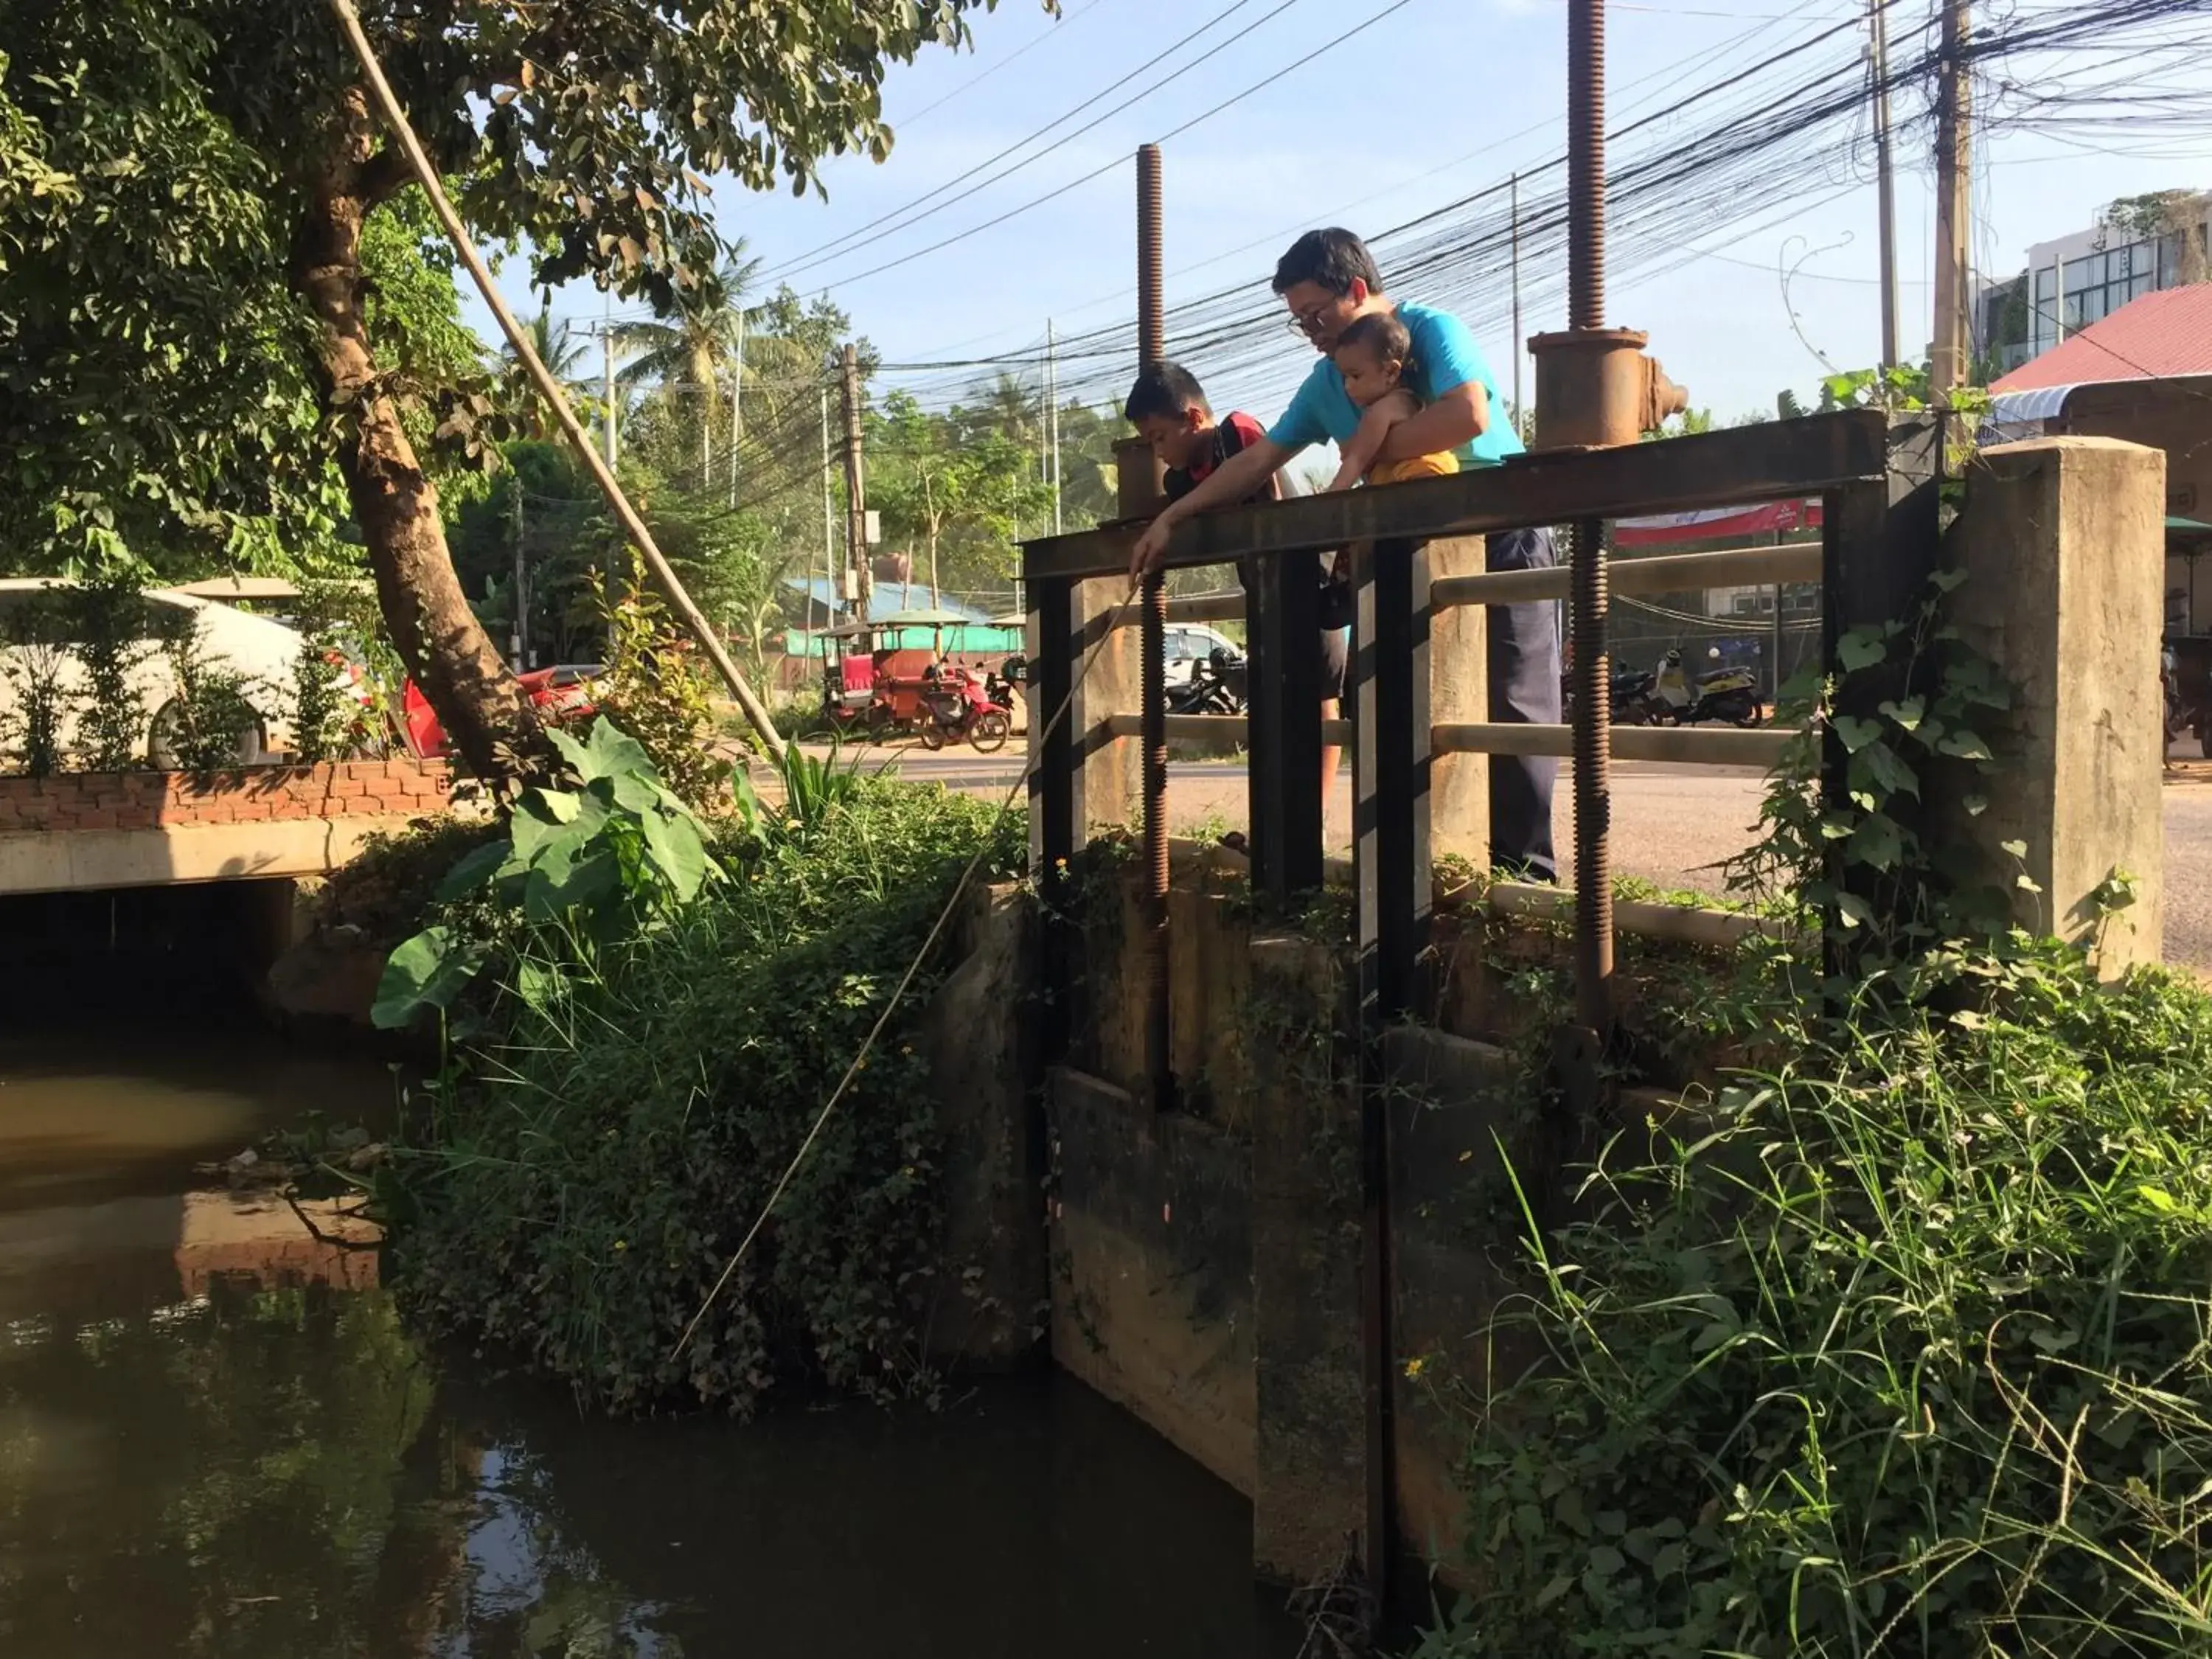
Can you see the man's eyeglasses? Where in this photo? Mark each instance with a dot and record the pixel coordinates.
(1307, 323)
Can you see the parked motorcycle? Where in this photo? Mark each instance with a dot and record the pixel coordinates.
(1217, 686)
(957, 707)
(1730, 695)
(1636, 700)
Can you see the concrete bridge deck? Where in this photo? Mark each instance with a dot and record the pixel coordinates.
(91, 830)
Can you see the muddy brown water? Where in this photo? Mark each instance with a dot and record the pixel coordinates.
(218, 1437)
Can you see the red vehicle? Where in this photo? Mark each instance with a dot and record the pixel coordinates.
(561, 695)
(959, 706)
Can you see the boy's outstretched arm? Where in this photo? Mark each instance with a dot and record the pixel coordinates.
(1248, 469)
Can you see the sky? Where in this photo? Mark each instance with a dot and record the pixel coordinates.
(1434, 101)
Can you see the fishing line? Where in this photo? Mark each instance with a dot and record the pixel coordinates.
(906, 980)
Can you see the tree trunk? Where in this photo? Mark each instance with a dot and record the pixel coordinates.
(486, 716)
(935, 602)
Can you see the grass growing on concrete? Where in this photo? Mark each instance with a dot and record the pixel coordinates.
(1903, 1350)
(574, 1188)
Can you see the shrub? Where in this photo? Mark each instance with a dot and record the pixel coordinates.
(109, 621)
(388, 889)
(629, 1103)
(653, 688)
(1905, 1352)
(37, 672)
(212, 722)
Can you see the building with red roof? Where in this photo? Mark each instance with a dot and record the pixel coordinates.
(2161, 335)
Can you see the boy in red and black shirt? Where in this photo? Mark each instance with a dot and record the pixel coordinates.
(1168, 407)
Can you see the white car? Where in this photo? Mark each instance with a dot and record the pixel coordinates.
(1186, 645)
(262, 650)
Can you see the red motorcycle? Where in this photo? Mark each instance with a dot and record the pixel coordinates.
(958, 707)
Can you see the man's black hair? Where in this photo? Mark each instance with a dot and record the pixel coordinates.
(1381, 332)
(1166, 389)
(1333, 259)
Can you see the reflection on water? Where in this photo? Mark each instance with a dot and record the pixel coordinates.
(198, 1460)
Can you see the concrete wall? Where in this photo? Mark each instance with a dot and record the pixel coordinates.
(2061, 541)
(1206, 1262)
(87, 830)
(151, 800)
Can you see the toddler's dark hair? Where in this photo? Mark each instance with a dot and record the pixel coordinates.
(1381, 332)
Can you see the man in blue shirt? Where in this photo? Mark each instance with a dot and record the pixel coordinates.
(1326, 280)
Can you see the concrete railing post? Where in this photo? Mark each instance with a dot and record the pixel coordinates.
(1113, 769)
(1459, 691)
(2062, 542)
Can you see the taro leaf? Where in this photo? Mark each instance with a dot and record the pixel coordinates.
(426, 971)
(474, 871)
(673, 840)
(1907, 713)
(539, 816)
(609, 753)
(1862, 647)
(562, 881)
(1966, 746)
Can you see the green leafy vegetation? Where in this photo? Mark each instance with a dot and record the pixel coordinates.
(1894, 1342)
(655, 688)
(226, 317)
(610, 860)
(621, 1105)
(1900, 1349)
(35, 670)
(215, 718)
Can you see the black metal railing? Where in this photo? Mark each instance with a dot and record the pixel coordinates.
(1874, 474)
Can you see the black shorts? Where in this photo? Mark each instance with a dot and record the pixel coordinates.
(1336, 644)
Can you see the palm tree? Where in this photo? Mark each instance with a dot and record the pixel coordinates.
(1010, 407)
(690, 349)
(560, 348)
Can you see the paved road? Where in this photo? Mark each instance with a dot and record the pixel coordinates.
(1673, 826)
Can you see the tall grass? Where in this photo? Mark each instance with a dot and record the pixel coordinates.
(577, 1190)
(1904, 1351)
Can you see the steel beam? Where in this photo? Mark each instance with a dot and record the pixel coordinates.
(1737, 467)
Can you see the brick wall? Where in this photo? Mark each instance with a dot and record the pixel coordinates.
(153, 801)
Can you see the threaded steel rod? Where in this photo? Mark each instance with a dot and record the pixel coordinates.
(1152, 346)
(1586, 163)
(1593, 767)
(1151, 307)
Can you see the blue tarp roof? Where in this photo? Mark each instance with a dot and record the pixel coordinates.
(888, 597)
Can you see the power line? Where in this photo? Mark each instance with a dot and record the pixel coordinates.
(1052, 32)
(816, 256)
(1096, 172)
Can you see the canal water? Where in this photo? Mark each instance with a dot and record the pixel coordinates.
(218, 1437)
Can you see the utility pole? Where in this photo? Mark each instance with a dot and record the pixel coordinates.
(856, 510)
(828, 514)
(1052, 417)
(607, 345)
(1519, 348)
(521, 589)
(1885, 177)
(1948, 365)
(737, 409)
